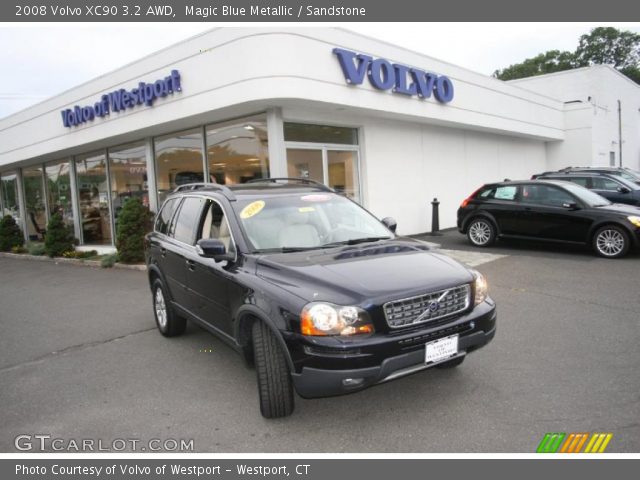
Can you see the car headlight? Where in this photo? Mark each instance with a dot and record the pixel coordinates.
(480, 287)
(635, 220)
(321, 319)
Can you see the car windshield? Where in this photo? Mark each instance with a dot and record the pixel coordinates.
(306, 221)
(630, 175)
(590, 198)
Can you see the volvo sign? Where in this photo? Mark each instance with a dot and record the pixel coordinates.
(401, 79)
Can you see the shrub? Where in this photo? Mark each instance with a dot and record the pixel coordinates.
(109, 261)
(18, 249)
(10, 234)
(35, 248)
(59, 237)
(134, 221)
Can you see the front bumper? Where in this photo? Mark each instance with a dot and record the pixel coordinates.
(312, 382)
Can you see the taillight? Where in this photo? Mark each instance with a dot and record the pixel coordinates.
(467, 200)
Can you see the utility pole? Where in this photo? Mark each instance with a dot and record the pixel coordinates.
(620, 132)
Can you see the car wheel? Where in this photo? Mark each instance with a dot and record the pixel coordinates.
(275, 387)
(169, 324)
(481, 232)
(611, 241)
(451, 363)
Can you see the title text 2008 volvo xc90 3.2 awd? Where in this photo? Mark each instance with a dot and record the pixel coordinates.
(312, 289)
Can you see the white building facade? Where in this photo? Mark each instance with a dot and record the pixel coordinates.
(388, 127)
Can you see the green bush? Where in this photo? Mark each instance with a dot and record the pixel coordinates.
(10, 234)
(109, 261)
(59, 237)
(36, 248)
(134, 221)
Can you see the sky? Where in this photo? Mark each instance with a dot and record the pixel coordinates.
(42, 60)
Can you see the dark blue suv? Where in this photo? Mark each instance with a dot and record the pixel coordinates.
(309, 287)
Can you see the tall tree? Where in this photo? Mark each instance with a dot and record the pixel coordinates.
(603, 45)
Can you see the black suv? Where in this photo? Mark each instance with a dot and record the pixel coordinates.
(311, 288)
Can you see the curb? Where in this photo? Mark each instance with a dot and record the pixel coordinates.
(70, 261)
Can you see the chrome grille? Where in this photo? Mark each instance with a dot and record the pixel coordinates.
(427, 308)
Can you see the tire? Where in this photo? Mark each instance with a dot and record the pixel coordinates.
(481, 232)
(167, 321)
(451, 363)
(275, 387)
(611, 241)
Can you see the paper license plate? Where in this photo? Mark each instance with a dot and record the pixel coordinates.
(441, 349)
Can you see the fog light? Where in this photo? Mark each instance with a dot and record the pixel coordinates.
(352, 382)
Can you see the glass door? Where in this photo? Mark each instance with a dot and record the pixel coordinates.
(334, 167)
(93, 196)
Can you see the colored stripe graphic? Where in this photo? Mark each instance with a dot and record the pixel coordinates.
(574, 442)
(550, 443)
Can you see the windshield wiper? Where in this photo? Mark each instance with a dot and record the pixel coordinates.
(354, 241)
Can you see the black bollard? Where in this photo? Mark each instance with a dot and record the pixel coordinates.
(435, 217)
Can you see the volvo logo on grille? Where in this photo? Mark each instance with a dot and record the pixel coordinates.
(434, 306)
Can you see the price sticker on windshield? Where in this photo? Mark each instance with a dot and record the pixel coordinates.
(252, 209)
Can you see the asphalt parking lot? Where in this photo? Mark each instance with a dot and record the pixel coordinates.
(80, 358)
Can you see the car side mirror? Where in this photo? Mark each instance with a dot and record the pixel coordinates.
(390, 223)
(623, 190)
(213, 248)
(570, 205)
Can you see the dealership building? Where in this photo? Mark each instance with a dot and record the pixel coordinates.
(390, 128)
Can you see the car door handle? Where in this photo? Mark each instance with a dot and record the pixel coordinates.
(163, 251)
(191, 265)
(527, 209)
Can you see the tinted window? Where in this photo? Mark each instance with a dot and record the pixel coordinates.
(164, 217)
(603, 183)
(545, 195)
(187, 219)
(582, 181)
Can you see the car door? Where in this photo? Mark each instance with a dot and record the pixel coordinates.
(211, 283)
(180, 248)
(506, 209)
(158, 240)
(552, 213)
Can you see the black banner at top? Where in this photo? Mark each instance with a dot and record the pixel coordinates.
(315, 10)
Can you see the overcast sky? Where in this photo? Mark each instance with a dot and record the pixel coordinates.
(41, 60)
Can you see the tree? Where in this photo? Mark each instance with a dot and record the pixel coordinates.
(134, 221)
(601, 46)
(10, 234)
(548, 62)
(59, 237)
(609, 46)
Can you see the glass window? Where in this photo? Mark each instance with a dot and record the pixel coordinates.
(164, 217)
(505, 193)
(343, 172)
(238, 151)
(93, 198)
(179, 160)
(582, 181)
(215, 226)
(10, 205)
(606, 184)
(128, 171)
(303, 132)
(187, 219)
(305, 163)
(545, 195)
(58, 183)
(34, 202)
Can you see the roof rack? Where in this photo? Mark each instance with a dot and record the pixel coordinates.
(305, 181)
(206, 186)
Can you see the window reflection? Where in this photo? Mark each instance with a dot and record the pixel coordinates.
(9, 181)
(34, 203)
(128, 171)
(237, 151)
(59, 189)
(179, 160)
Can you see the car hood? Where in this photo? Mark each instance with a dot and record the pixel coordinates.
(620, 208)
(365, 274)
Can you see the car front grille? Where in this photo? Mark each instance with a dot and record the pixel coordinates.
(427, 308)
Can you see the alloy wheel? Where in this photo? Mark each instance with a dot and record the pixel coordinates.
(480, 232)
(610, 242)
(161, 308)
